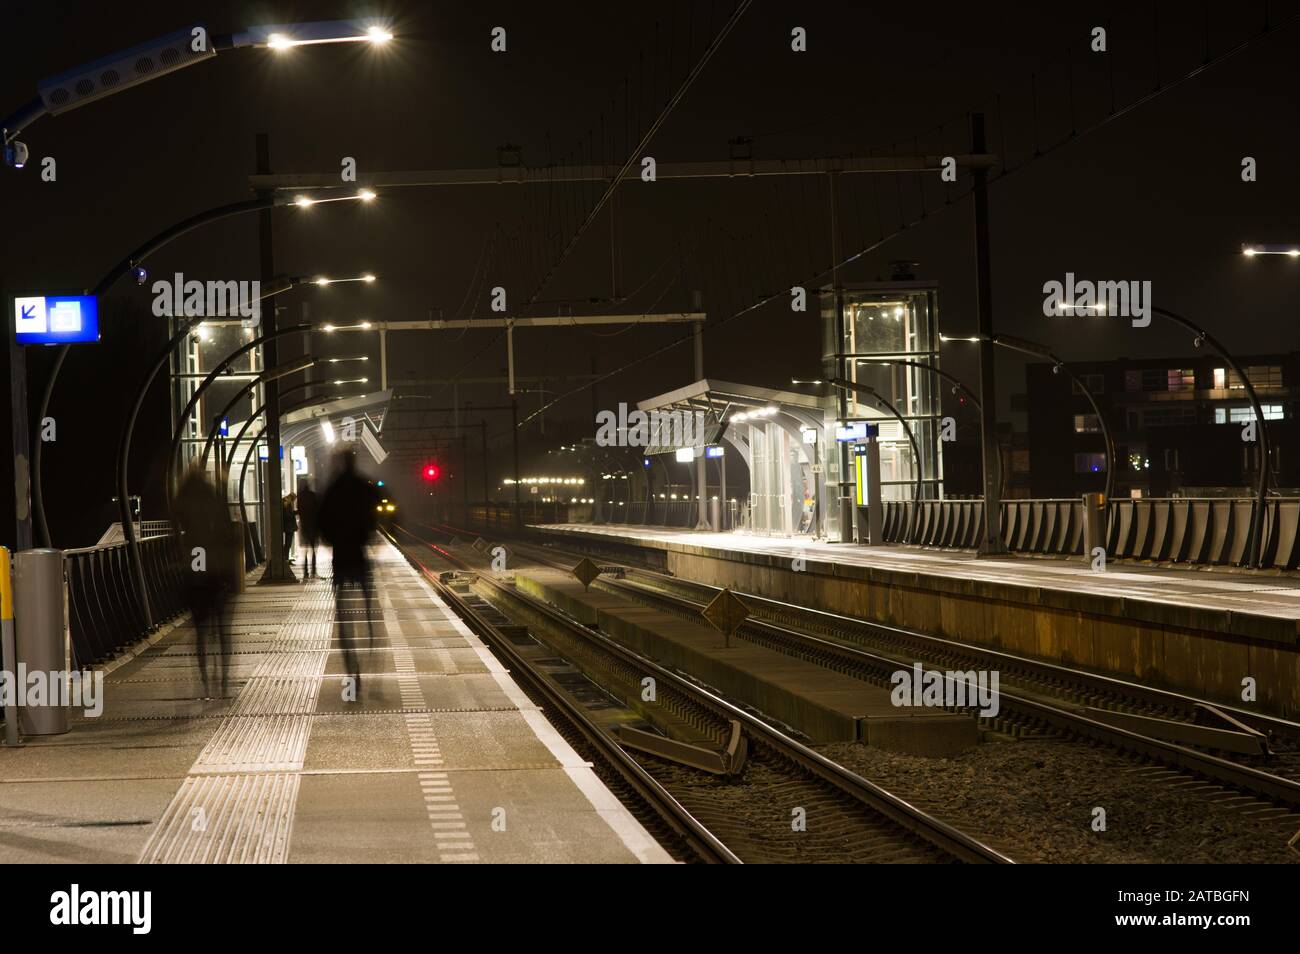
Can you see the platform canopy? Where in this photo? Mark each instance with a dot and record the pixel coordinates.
(722, 401)
(303, 425)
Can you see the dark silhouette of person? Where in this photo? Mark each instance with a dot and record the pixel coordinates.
(210, 561)
(288, 524)
(308, 527)
(347, 521)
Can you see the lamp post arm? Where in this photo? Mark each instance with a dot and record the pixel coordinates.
(1029, 347)
(123, 457)
(954, 380)
(101, 288)
(880, 399)
(207, 382)
(23, 118)
(1256, 554)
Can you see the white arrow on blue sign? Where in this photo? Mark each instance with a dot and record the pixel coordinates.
(56, 319)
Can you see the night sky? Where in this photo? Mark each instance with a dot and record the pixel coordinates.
(1153, 194)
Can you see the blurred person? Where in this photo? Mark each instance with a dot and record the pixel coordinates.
(208, 545)
(288, 524)
(347, 521)
(308, 527)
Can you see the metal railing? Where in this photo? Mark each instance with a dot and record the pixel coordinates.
(502, 515)
(104, 612)
(1208, 531)
(143, 528)
(656, 512)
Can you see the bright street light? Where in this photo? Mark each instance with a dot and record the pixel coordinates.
(1250, 251)
(306, 201)
(338, 281)
(155, 58)
(286, 36)
(363, 326)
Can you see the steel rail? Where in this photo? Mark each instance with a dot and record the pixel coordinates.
(901, 813)
(700, 840)
(1244, 777)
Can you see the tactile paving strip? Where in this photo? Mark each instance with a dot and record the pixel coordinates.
(231, 819)
(236, 804)
(451, 834)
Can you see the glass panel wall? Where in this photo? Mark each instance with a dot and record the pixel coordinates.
(891, 340)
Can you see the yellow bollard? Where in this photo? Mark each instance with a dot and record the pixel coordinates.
(8, 646)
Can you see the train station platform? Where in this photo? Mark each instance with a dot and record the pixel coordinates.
(440, 758)
(1205, 630)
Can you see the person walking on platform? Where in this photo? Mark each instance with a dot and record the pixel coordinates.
(210, 560)
(289, 524)
(347, 522)
(308, 527)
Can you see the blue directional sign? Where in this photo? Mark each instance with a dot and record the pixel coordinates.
(56, 319)
(855, 431)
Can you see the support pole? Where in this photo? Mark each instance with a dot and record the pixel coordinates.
(992, 543)
(844, 486)
(701, 462)
(510, 357)
(18, 431)
(464, 478)
(487, 496)
(277, 566)
(724, 506)
(514, 440)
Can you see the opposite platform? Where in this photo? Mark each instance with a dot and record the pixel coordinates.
(1198, 630)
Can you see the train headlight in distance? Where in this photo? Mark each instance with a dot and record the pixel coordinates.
(390, 508)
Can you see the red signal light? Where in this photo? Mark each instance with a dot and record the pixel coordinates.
(431, 471)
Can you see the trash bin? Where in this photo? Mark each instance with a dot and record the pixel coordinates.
(41, 634)
(846, 520)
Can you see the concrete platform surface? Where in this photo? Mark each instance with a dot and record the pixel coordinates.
(1263, 594)
(440, 757)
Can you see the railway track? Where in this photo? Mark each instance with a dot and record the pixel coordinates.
(787, 804)
(1037, 697)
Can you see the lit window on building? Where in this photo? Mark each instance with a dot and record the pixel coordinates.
(1243, 415)
(1086, 424)
(1181, 379)
(1089, 463)
(1260, 376)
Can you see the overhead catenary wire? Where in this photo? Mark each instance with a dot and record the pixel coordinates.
(999, 175)
(632, 157)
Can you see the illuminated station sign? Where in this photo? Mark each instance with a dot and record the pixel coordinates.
(56, 319)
